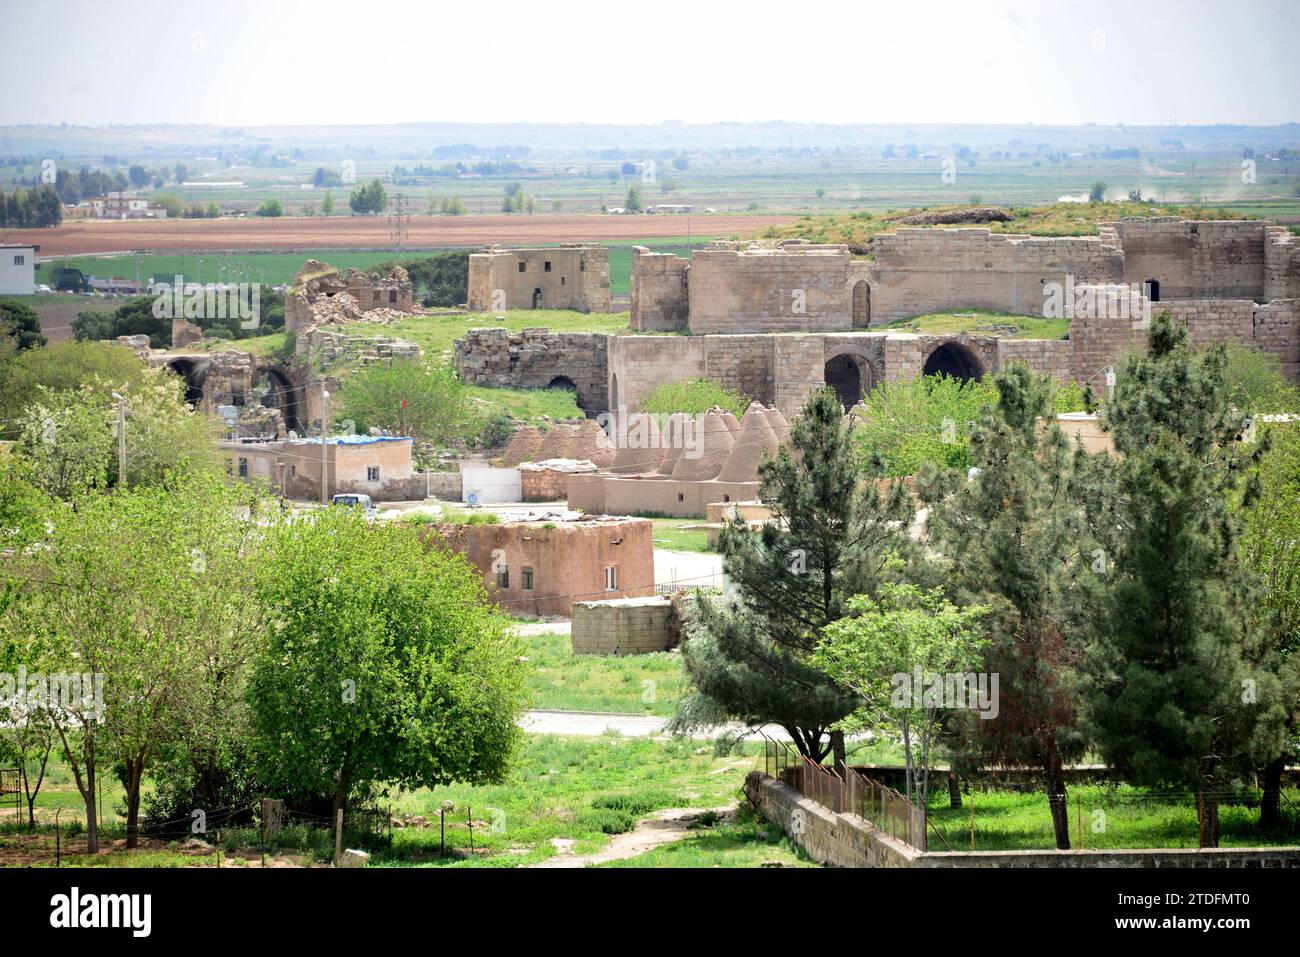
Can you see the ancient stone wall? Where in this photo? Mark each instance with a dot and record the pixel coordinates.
(921, 271)
(660, 295)
(574, 276)
(1189, 259)
(1281, 264)
(791, 289)
(535, 359)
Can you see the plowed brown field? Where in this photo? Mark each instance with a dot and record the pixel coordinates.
(358, 232)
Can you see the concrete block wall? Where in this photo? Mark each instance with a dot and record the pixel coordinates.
(660, 296)
(628, 626)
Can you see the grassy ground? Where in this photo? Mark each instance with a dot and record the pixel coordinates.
(583, 790)
(1056, 219)
(635, 684)
(748, 841)
(435, 333)
(1122, 817)
(974, 320)
(678, 535)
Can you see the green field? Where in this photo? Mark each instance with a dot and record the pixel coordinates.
(559, 680)
(974, 321)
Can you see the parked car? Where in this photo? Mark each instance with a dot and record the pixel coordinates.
(362, 502)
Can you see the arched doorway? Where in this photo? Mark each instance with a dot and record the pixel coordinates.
(193, 373)
(1152, 290)
(842, 375)
(537, 299)
(955, 361)
(280, 394)
(861, 304)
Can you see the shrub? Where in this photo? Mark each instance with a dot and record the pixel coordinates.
(925, 420)
(694, 396)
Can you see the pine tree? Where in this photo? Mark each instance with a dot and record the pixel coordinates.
(1010, 539)
(1172, 699)
(832, 531)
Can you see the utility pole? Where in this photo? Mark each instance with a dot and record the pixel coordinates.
(324, 447)
(121, 440)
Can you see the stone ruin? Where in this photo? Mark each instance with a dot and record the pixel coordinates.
(322, 296)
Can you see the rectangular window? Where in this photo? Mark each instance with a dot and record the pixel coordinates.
(547, 266)
(523, 267)
(392, 295)
(372, 473)
(503, 577)
(293, 470)
(611, 578)
(528, 579)
(19, 260)
(243, 468)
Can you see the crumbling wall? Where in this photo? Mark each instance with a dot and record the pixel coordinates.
(1281, 263)
(534, 359)
(660, 291)
(573, 276)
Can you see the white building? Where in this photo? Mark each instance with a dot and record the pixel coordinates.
(17, 269)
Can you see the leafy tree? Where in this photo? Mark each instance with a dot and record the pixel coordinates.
(385, 663)
(1172, 699)
(1270, 547)
(878, 649)
(925, 420)
(20, 322)
(1012, 538)
(748, 657)
(633, 202)
(60, 367)
(327, 204)
(271, 207)
(1098, 193)
(126, 596)
(67, 444)
(1254, 382)
(410, 397)
(369, 198)
(443, 277)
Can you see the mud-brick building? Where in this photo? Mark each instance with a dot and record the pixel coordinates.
(573, 276)
(542, 568)
(378, 466)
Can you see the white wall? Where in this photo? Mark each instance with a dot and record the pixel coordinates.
(17, 280)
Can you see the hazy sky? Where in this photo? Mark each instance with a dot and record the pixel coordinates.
(253, 62)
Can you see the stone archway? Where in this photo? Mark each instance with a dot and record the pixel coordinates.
(563, 382)
(861, 304)
(843, 375)
(282, 395)
(1152, 289)
(193, 371)
(955, 361)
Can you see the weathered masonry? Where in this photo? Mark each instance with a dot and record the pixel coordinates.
(574, 276)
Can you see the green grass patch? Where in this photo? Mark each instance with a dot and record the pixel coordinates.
(694, 396)
(746, 841)
(680, 535)
(1113, 817)
(435, 333)
(559, 680)
(984, 322)
(578, 789)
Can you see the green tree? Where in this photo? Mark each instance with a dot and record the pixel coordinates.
(60, 367)
(409, 397)
(1098, 193)
(747, 658)
(1172, 699)
(271, 207)
(384, 663)
(879, 649)
(21, 323)
(633, 201)
(1270, 547)
(67, 444)
(694, 396)
(1012, 539)
(369, 198)
(327, 204)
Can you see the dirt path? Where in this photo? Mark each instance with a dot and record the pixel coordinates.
(369, 232)
(662, 827)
